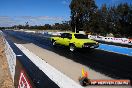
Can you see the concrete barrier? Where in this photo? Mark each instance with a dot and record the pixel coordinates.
(11, 58)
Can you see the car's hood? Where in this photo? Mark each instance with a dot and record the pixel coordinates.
(85, 41)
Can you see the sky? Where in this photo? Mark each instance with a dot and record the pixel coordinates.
(39, 12)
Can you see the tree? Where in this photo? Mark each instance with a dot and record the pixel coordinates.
(81, 13)
(26, 25)
(47, 26)
(125, 19)
(103, 20)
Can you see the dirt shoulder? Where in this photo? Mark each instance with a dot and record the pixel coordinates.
(5, 77)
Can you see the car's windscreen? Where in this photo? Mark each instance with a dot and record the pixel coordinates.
(81, 36)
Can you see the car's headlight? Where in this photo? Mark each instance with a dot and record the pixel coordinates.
(97, 43)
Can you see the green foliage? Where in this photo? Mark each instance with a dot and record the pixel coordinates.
(82, 12)
(65, 25)
(116, 19)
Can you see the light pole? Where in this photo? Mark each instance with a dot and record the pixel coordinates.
(75, 28)
(75, 22)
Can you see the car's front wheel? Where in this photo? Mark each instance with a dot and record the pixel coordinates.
(72, 47)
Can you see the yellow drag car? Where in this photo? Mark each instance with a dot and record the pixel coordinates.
(74, 40)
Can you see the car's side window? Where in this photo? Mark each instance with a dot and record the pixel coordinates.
(70, 36)
(63, 35)
(66, 35)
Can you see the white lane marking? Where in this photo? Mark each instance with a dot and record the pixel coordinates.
(59, 78)
(19, 55)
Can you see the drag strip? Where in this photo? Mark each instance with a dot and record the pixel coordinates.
(110, 64)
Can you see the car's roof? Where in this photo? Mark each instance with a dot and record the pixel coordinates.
(75, 33)
(72, 32)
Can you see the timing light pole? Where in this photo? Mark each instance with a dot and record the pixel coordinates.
(76, 22)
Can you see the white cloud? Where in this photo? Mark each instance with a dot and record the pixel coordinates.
(66, 2)
(49, 18)
(33, 20)
(6, 20)
(41, 19)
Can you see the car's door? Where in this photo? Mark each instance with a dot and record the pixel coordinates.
(67, 39)
(61, 39)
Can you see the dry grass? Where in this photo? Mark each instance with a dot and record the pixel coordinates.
(5, 77)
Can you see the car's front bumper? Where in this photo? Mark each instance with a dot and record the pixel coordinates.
(91, 46)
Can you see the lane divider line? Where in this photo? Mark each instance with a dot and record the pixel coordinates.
(59, 78)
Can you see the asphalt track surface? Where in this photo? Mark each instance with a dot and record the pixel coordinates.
(113, 65)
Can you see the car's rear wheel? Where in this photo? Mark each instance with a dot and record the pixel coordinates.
(53, 42)
(72, 47)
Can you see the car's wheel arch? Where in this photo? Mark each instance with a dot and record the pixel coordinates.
(72, 47)
(53, 42)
